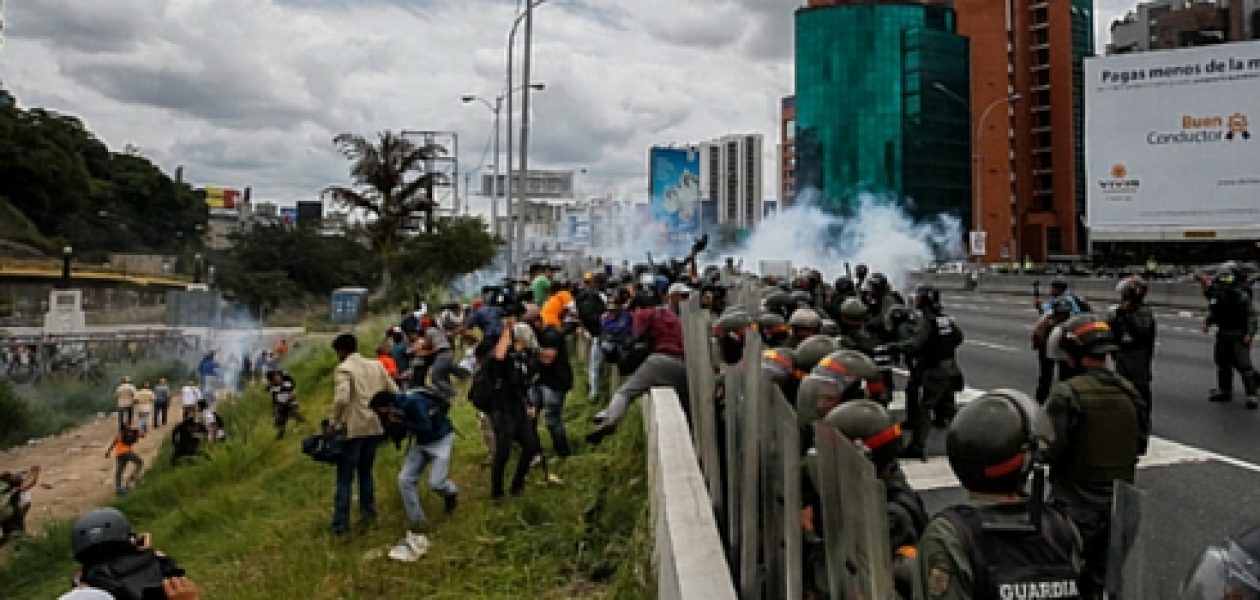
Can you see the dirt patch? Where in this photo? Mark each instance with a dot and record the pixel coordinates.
(75, 475)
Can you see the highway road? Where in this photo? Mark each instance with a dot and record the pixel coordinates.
(1201, 477)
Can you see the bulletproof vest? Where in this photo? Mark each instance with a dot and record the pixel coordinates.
(909, 504)
(1135, 328)
(943, 339)
(1014, 562)
(1105, 443)
(1228, 307)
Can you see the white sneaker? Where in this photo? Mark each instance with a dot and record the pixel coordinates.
(410, 549)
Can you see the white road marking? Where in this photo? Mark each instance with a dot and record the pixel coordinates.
(990, 345)
(935, 474)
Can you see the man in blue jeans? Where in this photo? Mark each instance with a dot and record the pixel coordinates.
(355, 381)
(422, 418)
(555, 379)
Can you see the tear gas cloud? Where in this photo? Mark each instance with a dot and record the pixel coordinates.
(880, 234)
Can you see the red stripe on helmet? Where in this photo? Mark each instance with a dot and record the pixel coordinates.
(1005, 467)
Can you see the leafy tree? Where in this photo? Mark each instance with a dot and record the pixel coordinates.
(390, 183)
(454, 247)
(274, 265)
(74, 190)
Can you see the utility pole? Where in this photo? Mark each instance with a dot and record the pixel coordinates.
(529, 51)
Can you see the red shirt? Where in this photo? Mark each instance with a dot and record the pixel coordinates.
(666, 330)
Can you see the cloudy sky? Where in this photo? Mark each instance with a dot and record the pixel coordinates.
(251, 92)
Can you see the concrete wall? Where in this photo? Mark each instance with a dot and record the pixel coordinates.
(688, 555)
(1100, 292)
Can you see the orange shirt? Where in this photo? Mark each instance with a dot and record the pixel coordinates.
(553, 308)
(387, 361)
(121, 447)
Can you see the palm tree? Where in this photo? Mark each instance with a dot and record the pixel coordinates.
(382, 187)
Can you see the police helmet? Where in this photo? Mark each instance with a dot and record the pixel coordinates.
(780, 303)
(773, 327)
(802, 298)
(805, 317)
(878, 283)
(845, 287)
(1132, 289)
(869, 424)
(779, 364)
(99, 527)
(898, 313)
(811, 351)
(847, 367)
(928, 298)
(993, 441)
(1086, 335)
(734, 319)
(853, 310)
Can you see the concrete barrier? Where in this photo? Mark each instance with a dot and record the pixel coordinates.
(1101, 292)
(688, 555)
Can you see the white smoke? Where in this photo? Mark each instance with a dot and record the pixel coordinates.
(880, 234)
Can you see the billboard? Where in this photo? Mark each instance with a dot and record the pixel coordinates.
(1172, 144)
(223, 201)
(310, 214)
(674, 189)
(539, 184)
(577, 226)
(288, 215)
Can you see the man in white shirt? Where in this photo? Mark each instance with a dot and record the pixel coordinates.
(125, 396)
(189, 396)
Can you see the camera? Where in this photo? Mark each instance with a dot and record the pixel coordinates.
(504, 298)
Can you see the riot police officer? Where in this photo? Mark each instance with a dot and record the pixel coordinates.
(870, 426)
(933, 347)
(1002, 542)
(1133, 325)
(804, 323)
(1231, 310)
(839, 377)
(773, 328)
(1101, 426)
(853, 332)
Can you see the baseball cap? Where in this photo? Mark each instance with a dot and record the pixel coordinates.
(679, 288)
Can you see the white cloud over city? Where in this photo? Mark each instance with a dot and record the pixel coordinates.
(251, 92)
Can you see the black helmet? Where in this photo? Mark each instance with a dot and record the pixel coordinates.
(860, 271)
(993, 441)
(730, 331)
(878, 283)
(1132, 289)
(869, 424)
(898, 313)
(1086, 335)
(98, 527)
(781, 303)
(773, 327)
(845, 287)
(853, 311)
(802, 298)
(927, 298)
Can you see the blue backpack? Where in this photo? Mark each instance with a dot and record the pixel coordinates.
(424, 417)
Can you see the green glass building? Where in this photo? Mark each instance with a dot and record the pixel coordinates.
(870, 116)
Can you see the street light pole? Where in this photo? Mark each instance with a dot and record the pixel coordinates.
(977, 158)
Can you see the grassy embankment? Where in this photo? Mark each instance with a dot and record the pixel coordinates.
(252, 521)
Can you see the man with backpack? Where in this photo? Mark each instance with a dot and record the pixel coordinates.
(421, 419)
(123, 448)
(186, 439)
(283, 399)
(591, 304)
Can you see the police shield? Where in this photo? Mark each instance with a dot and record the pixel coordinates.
(854, 519)
(1125, 556)
(790, 448)
(700, 382)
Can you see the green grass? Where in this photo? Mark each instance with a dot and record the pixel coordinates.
(252, 522)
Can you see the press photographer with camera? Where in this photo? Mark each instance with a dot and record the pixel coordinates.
(117, 564)
(500, 390)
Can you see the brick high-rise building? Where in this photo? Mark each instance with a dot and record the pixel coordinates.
(1027, 65)
(787, 152)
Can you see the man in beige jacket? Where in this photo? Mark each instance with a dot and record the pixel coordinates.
(355, 381)
(125, 396)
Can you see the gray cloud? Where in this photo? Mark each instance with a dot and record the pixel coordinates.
(114, 26)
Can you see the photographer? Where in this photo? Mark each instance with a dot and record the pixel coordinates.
(120, 565)
(661, 330)
(423, 418)
(500, 390)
